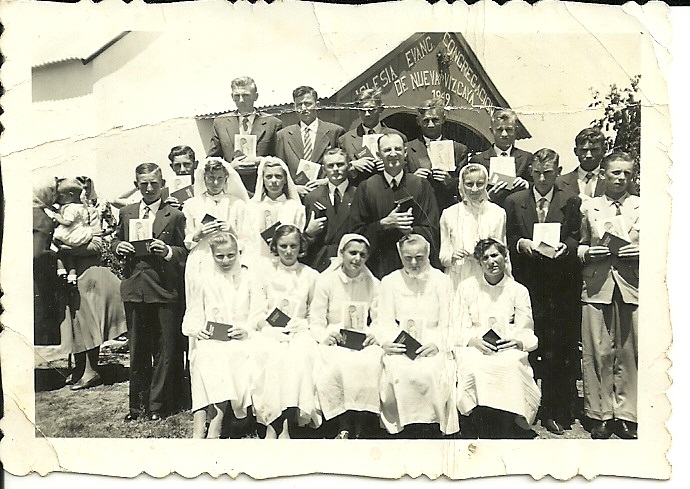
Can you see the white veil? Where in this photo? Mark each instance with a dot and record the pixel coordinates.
(290, 189)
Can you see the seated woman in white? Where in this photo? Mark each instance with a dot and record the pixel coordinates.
(495, 382)
(275, 200)
(347, 381)
(218, 193)
(220, 368)
(416, 299)
(282, 376)
(465, 223)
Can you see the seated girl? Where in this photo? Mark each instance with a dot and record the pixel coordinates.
(219, 365)
(275, 200)
(347, 381)
(416, 300)
(282, 375)
(495, 381)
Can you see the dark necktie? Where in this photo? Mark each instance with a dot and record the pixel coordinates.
(308, 145)
(336, 199)
(504, 153)
(541, 210)
(245, 124)
(371, 131)
(618, 207)
(147, 212)
(588, 177)
(394, 185)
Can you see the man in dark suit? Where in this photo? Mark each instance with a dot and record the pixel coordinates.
(363, 165)
(431, 117)
(504, 130)
(328, 211)
(590, 147)
(307, 140)
(151, 294)
(246, 120)
(379, 216)
(553, 283)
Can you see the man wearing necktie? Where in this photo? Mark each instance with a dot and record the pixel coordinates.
(151, 291)
(431, 117)
(246, 120)
(307, 140)
(504, 124)
(610, 299)
(363, 165)
(553, 283)
(328, 211)
(590, 147)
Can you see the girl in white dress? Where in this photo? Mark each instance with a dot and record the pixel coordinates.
(416, 299)
(275, 200)
(465, 223)
(495, 382)
(347, 381)
(218, 193)
(220, 370)
(282, 375)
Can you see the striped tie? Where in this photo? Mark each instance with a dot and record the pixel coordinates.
(147, 212)
(541, 211)
(308, 146)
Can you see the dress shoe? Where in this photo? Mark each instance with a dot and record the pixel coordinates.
(553, 426)
(131, 417)
(343, 435)
(156, 417)
(601, 430)
(627, 430)
(86, 384)
(69, 380)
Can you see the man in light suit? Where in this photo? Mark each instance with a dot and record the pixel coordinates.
(370, 106)
(246, 120)
(332, 203)
(431, 117)
(554, 284)
(504, 130)
(610, 299)
(151, 292)
(590, 147)
(307, 140)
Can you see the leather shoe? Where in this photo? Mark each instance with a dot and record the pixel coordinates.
(553, 426)
(92, 382)
(156, 417)
(601, 430)
(131, 417)
(626, 430)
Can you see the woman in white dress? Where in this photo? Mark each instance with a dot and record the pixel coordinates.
(220, 194)
(275, 200)
(347, 381)
(282, 376)
(495, 381)
(220, 368)
(465, 223)
(416, 299)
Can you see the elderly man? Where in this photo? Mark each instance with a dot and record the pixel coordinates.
(504, 130)
(590, 147)
(389, 205)
(431, 117)
(363, 165)
(307, 140)
(246, 120)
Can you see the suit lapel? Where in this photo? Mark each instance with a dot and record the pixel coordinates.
(555, 213)
(321, 141)
(295, 141)
(233, 128)
(259, 126)
(161, 220)
(529, 212)
(421, 155)
(600, 187)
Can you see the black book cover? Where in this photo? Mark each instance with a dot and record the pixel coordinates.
(354, 340)
(184, 193)
(301, 178)
(267, 235)
(363, 153)
(491, 337)
(218, 331)
(208, 218)
(411, 345)
(141, 248)
(405, 204)
(612, 242)
(278, 319)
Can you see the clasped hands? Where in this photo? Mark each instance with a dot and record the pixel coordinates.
(627, 252)
(367, 164)
(438, 175)
(519, 182)
(234, 333)
(157, 247)
(528, 247)
(487, 348)
(398, 220)
(334, 337)
(427, 350)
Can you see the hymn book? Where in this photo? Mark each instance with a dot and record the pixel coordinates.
(218, 331)
(411, 344)
(353, 340)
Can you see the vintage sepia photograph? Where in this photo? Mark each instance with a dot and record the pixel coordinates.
(358, 236)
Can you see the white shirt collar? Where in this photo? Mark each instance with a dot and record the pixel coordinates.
(342, 187)
(427, 140)
(250, 121)
(313, 127)
(378, 128)
(499, 151)
(581, 174)
(153, 206)
(390, 179)
(537, 195)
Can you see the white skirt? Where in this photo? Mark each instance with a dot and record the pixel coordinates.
(501, 381)
(348, 379)
(418, 391)
(220, 371)
(283, 377)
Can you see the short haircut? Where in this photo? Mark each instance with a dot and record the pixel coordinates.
(504, 115)
(618, 156)
(432, 104)
(413, 239)
(388, 135)
(146, 168)
(484, 244)
(592, 135)
(369, 95)
(243, 82)
(543, 156)
(304, 90)
(334, 152)
(215, 164)
(285, 230)
(221, 238)
(181, 151)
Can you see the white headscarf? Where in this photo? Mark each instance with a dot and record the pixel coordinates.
(423, 273)
(471, 204)
(233, 185)
(290, 190)
(337, 261)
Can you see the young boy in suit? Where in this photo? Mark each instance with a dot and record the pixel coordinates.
(151, 294)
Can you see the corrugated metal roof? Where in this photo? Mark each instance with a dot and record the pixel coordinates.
(54, 47)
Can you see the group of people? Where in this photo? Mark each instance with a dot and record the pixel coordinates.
(274, 281)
